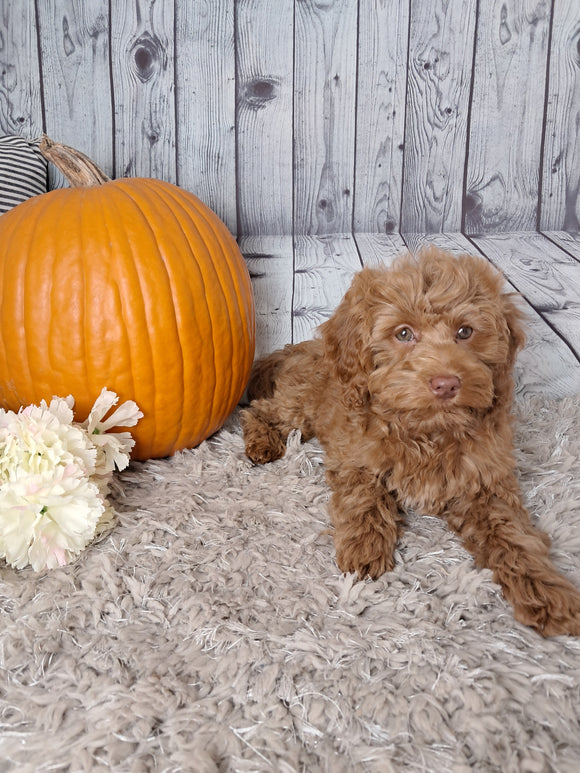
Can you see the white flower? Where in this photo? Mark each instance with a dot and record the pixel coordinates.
(54, 477)
(39, 438)
(47, 522)
(114, 447)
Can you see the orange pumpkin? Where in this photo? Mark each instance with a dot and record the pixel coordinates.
(131, 284)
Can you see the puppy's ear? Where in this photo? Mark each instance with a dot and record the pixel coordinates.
(513, 319)
(346, 339)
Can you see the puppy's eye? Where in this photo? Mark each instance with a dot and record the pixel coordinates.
(405, 334)
(464, 332)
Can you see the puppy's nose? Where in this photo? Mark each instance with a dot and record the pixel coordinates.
(445, 387)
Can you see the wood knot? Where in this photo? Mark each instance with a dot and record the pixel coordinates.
(473, 205)
(260, 91)
(67, 42)
(505, 34)
(147, 55)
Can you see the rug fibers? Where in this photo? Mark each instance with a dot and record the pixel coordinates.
(210, 630)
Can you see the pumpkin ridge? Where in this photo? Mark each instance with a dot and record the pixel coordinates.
(141, 202)
(16, 216)
(203, 377)
(35, 264)
(177, 290)
(130, 269)
(159, 188)
(145, 391)
(3, 353)
(235, 286)
(233, 391)
(121, 301)
(59, 300)
(85, 293)
(166, 193)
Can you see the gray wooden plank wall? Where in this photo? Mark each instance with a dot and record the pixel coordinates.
(315, 116)
(331, 133)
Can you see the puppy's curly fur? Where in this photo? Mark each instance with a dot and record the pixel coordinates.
(409, 390)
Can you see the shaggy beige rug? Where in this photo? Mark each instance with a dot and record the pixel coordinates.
(212, 631)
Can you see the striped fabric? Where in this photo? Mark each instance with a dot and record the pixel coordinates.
(22, 171)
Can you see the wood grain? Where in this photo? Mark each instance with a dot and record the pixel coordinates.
(270, 262)
(380, 127)
(549, 279)
(547, 276)
(379, 249)
(265, 64)
(454, 242)
(506, 116)
(142, 67)
(361, 101)
(546, 365)
(323, 269)
(566, 240)
(324, 115)
(560, 205)
(74, 41)
(206, 104)
(20, 90)
(439, 78)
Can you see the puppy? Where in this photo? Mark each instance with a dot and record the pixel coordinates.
(409, 390)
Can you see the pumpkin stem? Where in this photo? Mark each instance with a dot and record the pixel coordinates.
(78, 169)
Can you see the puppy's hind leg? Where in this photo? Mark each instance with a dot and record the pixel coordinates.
(275, 408)
(265, 374)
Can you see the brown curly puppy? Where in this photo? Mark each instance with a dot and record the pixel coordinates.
(409, 389)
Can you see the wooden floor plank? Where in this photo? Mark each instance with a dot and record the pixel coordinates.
(454, 242)
(78, 114)
(559, 203)
(205, 143)
(142, 62)
(379, 249)
(546, 365)
(380, 115)
(270, 262)
(324, 267)
(549, 280)
(567, 241)
(545, 274)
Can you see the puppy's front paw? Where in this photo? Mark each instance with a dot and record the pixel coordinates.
(263, 450)
(556, 611)
(264, 443)
(368, 555)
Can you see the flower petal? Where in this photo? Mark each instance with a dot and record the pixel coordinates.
(102, 405)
